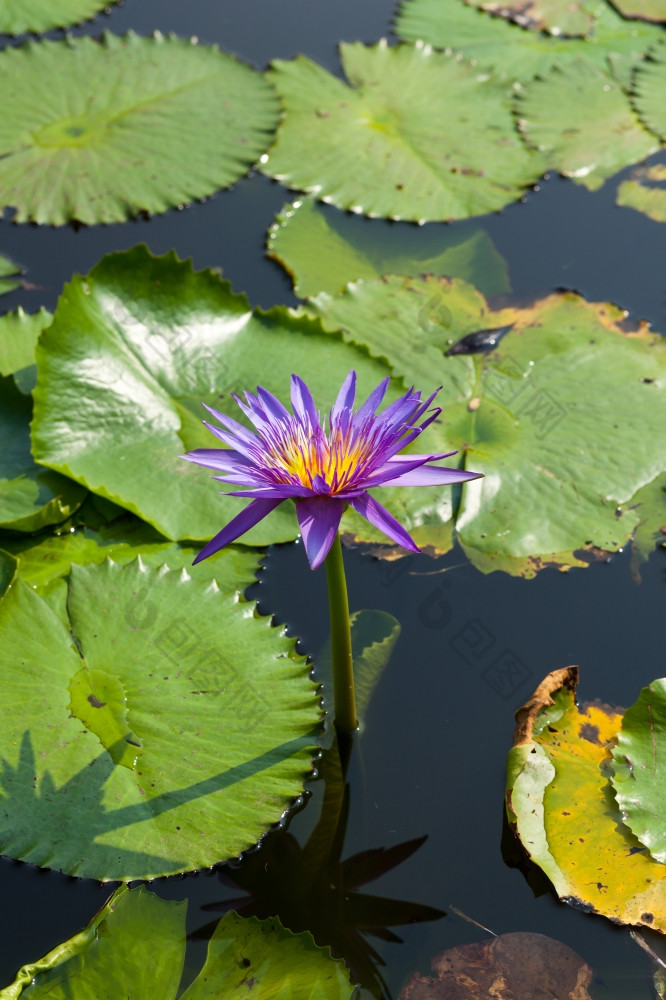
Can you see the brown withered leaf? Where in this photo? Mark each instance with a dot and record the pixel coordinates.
(518, 966)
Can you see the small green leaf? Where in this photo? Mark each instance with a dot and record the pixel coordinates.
(323, 250)
(31, 497)
(396, 142)
(19, 332)
(145, 341)
(18, 17)
(642, 193)
(639, 778)
(8, 279)
(250, 956)
(127, 126)
(134, 947)
(189, 672)
(649, 505)
(582, 121)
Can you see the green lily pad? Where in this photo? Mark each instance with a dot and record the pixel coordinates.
(560, 804)
(217, 715)
(145, 341)
(518, 55)
(19, 332)
(127, 127)
(396, 141)
(18, 17)
(550, 496)
(9, 273)
(640, 192)
(638, 775)
(582, 120)
(248, 956)
(649, 89)
(8, 570)
(323, 252)
(135, 947)
(646, 10)
(31, 497)
(559, 17)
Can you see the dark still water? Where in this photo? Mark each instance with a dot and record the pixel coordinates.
(430, 763)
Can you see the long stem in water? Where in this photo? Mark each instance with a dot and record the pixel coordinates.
(341, 649)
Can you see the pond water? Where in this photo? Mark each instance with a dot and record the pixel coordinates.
(430, 762)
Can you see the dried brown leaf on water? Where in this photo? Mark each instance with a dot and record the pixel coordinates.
(518, 966)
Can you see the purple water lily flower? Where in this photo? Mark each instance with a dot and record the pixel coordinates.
(292, 456)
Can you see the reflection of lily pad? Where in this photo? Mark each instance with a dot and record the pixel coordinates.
(559, 17)
(566, 363)
(145, 341)
(21, 16)
(323, 250)
(582, 120)
(515, 54)
(96, 153)
(640, 191)
(649, 90)
(397, 141)
(560, 803)
(135, 947)
(31, 497)
(217, 715)
(639, 778)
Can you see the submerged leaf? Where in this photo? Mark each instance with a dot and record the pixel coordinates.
(18, 17)
(560, 803)
(649, 89)
(127, 126)
(9, 279)
(650, 506)
(519, 966)
(126, 751)
(582, 120)
(559, 17)
(323, 250)
(396, 142)
(646, 10)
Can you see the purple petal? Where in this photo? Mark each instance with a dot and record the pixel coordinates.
(302, 401)
(431, 475)
(319, 519)
(373, 400)
(282, 490)
(231, 425)
(380, 517)
(271, 403)
(247, 519)
(345, 400)
(225, 459)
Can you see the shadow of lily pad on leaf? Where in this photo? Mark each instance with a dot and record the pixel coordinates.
(169, 757)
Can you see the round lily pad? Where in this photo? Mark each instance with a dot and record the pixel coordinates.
(131, 125)
(19, 332)
(145, 341)
(397, 140)
(643, 191)
(583, 122)
(18, 17)
(545, 412)
(515, 54)
(163, 727)
(639, 777)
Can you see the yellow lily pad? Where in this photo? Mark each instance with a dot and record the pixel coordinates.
(561, 805)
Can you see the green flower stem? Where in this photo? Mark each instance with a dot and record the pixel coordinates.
(341, 649)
